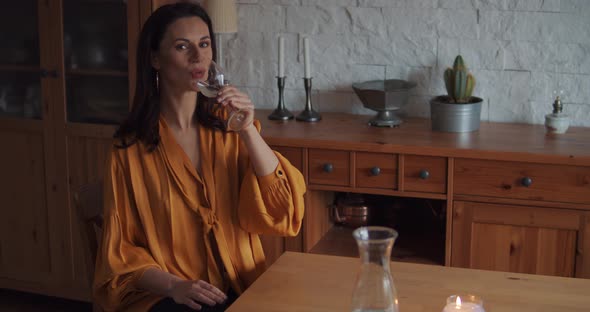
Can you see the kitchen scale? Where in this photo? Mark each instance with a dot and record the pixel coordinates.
(385, 97)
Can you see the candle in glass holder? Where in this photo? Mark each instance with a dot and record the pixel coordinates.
(464, 303)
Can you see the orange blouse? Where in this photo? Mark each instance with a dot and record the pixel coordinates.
(159, 212)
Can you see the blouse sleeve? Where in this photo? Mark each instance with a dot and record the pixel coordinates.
(121, 257)
(272, 204)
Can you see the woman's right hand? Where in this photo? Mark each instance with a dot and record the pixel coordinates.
(194, 293)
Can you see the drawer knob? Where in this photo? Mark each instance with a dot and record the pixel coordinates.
(424, 174)
(375, 171)
(526, 181)
(328, 167)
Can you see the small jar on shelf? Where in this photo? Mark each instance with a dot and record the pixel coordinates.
(557, 122)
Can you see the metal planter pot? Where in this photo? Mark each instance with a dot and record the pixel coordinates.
(449, 117)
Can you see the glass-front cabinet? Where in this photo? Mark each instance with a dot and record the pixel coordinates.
(25, 232)
(64, 86)
(20, 70)
(96, 60)
(94, 54)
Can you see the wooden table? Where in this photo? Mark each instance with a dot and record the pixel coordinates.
(307, 282)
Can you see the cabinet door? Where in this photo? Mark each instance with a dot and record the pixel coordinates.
(519, 239)
(26, 236)
(31, 234)
(20, 61)
(63, 82)
(97, 55)
(96, 60)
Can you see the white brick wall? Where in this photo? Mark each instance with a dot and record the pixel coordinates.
(518, 50)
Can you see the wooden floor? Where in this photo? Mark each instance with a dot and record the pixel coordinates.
(13, 301)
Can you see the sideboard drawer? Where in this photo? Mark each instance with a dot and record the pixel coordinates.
(425, 174)
(329, 167)
(376, 170)
(522, 180)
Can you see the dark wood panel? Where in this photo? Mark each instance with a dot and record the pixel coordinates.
(25, 244)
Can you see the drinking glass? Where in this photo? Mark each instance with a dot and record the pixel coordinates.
(234, 119)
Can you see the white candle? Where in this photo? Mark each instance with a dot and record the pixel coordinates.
(455, 304)
(306, 57)
(281, 57)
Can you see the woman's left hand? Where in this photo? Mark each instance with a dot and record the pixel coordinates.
(234, 99)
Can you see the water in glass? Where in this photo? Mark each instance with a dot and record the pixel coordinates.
(234, 118)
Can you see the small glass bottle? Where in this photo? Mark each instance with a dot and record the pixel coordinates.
(374, 290)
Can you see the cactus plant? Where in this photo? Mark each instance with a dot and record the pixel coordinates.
(459, 82)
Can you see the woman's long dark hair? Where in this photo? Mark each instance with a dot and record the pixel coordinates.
(142, 122)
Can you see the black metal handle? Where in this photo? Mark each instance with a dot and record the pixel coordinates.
(48, 73)
(526, 181)
(424, 174)
(328, 167)
(375, 171)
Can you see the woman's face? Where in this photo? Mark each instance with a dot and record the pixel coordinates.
(184, 55)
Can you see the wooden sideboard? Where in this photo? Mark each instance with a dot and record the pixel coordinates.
(515, 198)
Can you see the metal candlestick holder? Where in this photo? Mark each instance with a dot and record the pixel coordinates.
(281, 113)
(308, 114)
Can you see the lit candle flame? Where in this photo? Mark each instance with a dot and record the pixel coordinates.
(458, 302)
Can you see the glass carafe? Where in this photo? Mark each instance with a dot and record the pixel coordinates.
(374, 290)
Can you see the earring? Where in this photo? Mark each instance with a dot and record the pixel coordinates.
(157, 82)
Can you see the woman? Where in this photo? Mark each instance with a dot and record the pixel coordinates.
(184, 199)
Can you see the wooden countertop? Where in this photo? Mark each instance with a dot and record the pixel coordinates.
(307, 282)
(497, 141)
